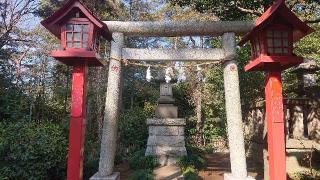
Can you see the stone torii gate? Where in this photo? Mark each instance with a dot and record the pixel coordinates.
(227, 29)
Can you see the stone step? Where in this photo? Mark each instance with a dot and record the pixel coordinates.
(171, 172)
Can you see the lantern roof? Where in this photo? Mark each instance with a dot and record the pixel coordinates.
(53, 23)
(279, 11)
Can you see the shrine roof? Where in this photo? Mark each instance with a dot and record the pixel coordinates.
(52, 23)
(279, 11)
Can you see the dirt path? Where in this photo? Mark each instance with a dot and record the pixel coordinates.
(218, 164)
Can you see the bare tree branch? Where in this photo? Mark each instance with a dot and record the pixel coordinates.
(249, 11)
(313, 21)
(13, 12)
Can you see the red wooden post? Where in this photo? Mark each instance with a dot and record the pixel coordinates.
(272, 51)
(82, 35)
(275, 125)
(77, 122)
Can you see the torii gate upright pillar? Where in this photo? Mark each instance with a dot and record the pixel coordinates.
(233, 111)
(111, 116)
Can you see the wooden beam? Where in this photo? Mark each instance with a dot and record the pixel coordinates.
(179, 28)
(173, 55)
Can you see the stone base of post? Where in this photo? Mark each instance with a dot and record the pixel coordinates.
(231, 177)
(114, 176)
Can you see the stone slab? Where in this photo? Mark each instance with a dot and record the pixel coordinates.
(170, 172)
(167, 111)
(114, 176)
(166, 89)
(166, 100)
(166, 151)
(172, 141)
(166, 122)
(166, 130)
(167, 160)
(231, 177)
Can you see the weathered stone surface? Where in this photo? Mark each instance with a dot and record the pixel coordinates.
(173, 54)
(181, 131)
(166, 122)
(297, 122)
(167, 160)
(166, 100)
(165, 89)
(110, 122)
(233, 109)
(149, 151)
(170, 172)
(166, 141)
(114, 176)
(166, 130)
(180, 28)
(172, 141)
(231, 177)
(166, 151)
(166, 111)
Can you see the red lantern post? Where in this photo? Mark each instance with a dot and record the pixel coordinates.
(77, 121)
(272, 51)
(82, 36)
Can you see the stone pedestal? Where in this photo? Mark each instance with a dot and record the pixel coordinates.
(113, 176)
(166, 139)
(231, 177)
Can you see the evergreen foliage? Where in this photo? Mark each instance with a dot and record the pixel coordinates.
(32, 151)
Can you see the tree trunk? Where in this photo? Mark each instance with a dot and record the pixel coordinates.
(199, 115)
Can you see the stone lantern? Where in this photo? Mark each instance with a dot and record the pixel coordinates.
(272, 51)
(81, 35)
(307, 78)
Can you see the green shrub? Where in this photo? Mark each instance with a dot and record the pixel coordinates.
(191, 160)
(191, 176)
(32, 151)
(119, 158)
(90, 167)
(191, 164)
(133, 130)
(143, 175)
(139, 161)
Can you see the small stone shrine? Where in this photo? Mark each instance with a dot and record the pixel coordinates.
(166, 131)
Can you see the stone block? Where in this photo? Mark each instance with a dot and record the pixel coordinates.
(231, 177)
(165, 130)
(173, 141)
(166, 100)
(166, 111)
(298, 124)
(166, 139)
(114, 176)
(167, 160)
(169, 151)
(149, 151)
(181, 131)
(166, 89)
(166, 122)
